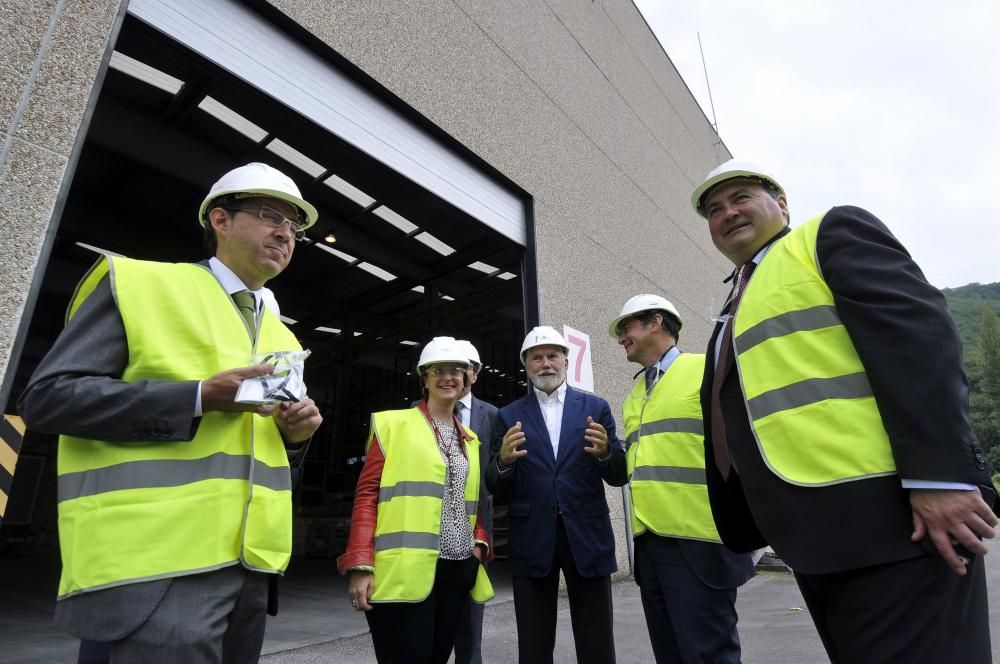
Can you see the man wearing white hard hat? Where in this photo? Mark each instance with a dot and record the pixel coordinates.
(481, 417)
(687, 578)
(174, 499)
(553, 452)
(839, 427)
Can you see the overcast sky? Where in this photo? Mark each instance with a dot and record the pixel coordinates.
(892, 106)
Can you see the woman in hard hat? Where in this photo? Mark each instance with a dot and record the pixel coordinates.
(416, 542)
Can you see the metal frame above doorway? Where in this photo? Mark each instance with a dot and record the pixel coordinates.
(263, 56)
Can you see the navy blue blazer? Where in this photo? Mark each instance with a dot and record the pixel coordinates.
(541, 487)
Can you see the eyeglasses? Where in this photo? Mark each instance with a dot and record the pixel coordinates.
(438, 371)
(273, 218)
(623, 325)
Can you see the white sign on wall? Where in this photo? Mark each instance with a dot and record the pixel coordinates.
(580, 374)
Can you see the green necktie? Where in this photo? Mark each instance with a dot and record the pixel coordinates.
(247, 305)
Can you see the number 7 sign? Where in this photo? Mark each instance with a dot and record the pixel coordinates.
(580, 374)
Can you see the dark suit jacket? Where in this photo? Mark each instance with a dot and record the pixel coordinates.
(540, 487)
(911, 351)
(483, 421)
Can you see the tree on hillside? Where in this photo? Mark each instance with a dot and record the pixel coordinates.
(990, 347)
(985, 401)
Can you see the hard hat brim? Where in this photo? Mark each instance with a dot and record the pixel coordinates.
(657, 303)
(702, 190)
(613, 328)
(312, 215)
(422, 368)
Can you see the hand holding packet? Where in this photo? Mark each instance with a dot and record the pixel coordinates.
(284, 384)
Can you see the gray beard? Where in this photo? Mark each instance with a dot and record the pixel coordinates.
(548, 384)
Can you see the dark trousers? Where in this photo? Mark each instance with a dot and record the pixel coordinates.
(535, 604)
(688, 621)
(914, 611)
(212, 618)
(94, 652)
(469, 638)
(424, 632)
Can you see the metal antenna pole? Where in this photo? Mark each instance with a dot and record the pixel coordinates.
(711, 102)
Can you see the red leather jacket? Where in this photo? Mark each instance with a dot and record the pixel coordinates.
(361, 541)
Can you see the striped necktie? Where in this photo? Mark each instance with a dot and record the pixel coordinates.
(720, 442)
(247, 305)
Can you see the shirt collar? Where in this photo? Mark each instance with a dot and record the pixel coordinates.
(228, 278)
(559, 394)
(467, 401)
(668, 358)
(758, 257)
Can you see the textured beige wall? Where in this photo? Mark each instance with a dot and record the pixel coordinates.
(52, 51)
(577, 103)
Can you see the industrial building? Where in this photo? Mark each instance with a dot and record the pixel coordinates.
(479, 168)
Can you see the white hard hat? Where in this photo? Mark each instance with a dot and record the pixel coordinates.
(543, 335)
(472, 354)
(732, 169)
(641, 303)
(257, 179)
(443, 349)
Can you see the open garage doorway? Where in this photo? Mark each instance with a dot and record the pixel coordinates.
(389, 265)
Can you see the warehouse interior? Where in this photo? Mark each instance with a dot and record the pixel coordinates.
(389, 265)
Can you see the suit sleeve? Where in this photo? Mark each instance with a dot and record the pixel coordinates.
(908, 343)
(613, 469)
(77, 388)
(499, 484)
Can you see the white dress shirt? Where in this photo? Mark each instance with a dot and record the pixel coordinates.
(552, 412)
(233, 284)
(465, 410)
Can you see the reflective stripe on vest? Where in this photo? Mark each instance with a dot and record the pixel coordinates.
(666, 454)
(411, 491)
(810, 402)
(170, 473)
(135, 511)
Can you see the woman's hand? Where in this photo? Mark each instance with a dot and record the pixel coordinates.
(360, 589)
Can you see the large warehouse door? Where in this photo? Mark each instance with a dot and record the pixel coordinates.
(396, 258)
(282, 68)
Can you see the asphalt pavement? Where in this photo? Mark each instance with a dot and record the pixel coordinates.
(774, 626)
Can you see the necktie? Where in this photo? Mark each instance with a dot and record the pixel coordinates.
(247, 305)
(651, 374)
(460, 412)
(720, 443)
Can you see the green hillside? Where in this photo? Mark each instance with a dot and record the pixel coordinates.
(968, 314)
(968, 304)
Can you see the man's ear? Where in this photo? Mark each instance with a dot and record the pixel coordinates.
(219, 219)
(783, 204)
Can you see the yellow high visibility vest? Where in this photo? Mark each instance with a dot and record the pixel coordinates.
(810, 403)
(131, 512)
(411, 498)
(665, 451)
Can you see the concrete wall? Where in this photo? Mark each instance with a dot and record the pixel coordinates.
(576, 102)
(52, 51)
